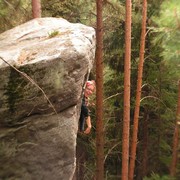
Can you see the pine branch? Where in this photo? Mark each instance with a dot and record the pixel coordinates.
(110, 150)
(114, 95)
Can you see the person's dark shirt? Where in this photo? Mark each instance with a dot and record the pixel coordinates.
(84, 108)
(84, 113)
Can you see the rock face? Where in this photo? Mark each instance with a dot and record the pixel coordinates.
(39, 105)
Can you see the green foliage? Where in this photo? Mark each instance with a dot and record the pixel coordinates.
(158, 177)
(169, 31)
(85, 153)
(73, 10)
(53, 33)
(14, 89)
(112, 121)
(166, 33)
(18, 9)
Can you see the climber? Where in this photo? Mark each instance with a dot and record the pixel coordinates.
(85, 115)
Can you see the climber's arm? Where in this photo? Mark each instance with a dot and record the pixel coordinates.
(88, 122)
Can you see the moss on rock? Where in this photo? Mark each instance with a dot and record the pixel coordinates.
(14, 90)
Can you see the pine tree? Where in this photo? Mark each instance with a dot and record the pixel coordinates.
(36, 8)
(174, 160)
(99, 94)
(127, 72)
(138, 92)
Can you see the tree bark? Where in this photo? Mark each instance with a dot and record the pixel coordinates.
(126, 113)
(145, 143)
(99, 94)
(138, 93)
(36, 8)
(176, 139)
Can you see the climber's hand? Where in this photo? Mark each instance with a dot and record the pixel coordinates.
(88, 130)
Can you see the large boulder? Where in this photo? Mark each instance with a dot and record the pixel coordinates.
(43, 65)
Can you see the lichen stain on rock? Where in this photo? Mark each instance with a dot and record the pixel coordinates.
(54, 76)
(15, 88)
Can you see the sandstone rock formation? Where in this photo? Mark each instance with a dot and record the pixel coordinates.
(37, 141)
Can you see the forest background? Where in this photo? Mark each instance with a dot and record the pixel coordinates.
(160, 79)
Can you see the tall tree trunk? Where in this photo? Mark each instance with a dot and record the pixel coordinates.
(145, 145)
(127, 73)
(99, 94)
(138, 92)
(36, 8)
(176, 138)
